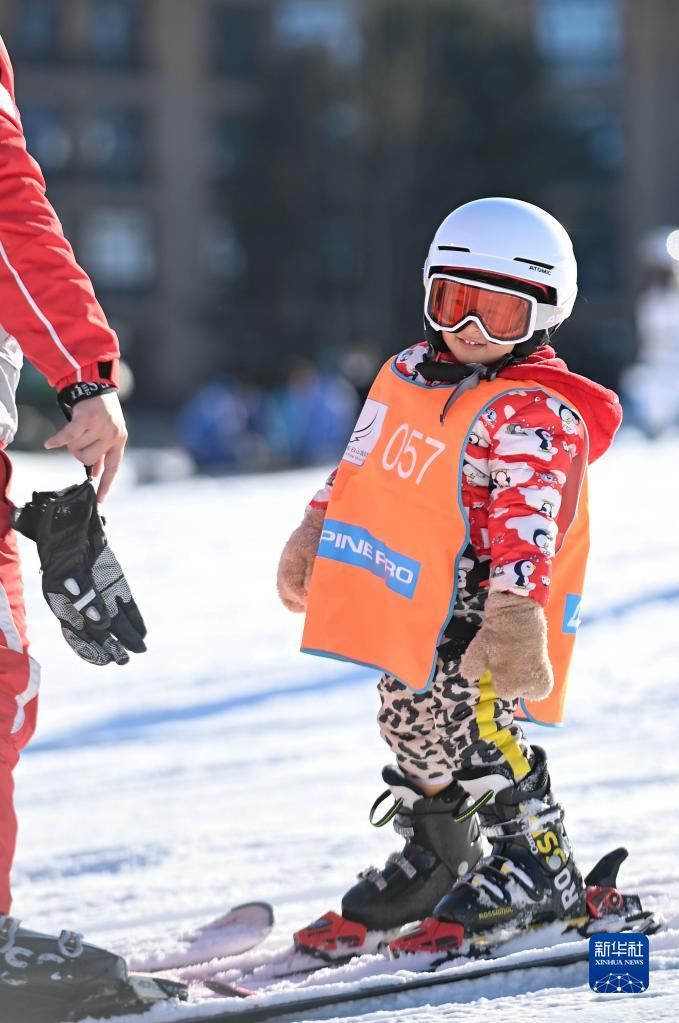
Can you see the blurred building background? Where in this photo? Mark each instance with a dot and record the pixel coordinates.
(251, 182)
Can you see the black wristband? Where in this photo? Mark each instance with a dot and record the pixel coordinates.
(71, 395)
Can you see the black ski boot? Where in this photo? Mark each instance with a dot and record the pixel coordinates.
(528, 878)
(442, 842)
(44, 977)
(50, 979)
(530, 875)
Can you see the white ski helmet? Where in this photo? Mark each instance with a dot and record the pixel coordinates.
(514, 239)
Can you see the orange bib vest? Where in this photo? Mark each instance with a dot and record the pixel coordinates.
(384, 581)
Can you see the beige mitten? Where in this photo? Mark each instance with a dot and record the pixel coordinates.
(512, 645)
(297, 560)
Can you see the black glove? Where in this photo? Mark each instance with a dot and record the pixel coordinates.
(81, 579)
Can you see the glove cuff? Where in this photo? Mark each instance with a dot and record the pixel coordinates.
(501, 599)
(69, 396)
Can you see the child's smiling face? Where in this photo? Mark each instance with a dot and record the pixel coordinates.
(469, 345)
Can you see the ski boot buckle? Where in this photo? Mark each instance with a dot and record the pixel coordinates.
(9, 925)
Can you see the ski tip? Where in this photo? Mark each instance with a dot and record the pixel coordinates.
(266, 909)
(252, 915)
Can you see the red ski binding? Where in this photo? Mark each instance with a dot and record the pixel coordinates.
(603, 901)
(602, 897)
(431, 936)
(330, 934)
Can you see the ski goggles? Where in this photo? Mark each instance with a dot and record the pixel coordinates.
(504, 316)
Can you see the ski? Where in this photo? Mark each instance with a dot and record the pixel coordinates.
(332, 962)
(332, 941)
(265, 975)
(238, 931)
(294, 1003)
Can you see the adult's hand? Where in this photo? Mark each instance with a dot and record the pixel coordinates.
(96, 436)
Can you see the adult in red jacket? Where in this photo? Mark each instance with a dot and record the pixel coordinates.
(48, 311)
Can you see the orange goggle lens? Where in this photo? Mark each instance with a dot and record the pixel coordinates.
(505, 316)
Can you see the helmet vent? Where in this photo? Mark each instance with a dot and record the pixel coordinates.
(534, 262)
(453, 248)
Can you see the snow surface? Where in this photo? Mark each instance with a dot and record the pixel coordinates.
(225, 766)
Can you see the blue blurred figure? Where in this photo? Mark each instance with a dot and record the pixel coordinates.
(310, 417)
(222, 427)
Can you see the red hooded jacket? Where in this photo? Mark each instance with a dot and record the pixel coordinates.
(600, 407)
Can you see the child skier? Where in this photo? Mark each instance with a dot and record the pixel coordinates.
(448, 550)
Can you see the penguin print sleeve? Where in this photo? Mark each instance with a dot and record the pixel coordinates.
(533, 439)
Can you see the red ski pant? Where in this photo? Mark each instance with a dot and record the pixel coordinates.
(19, 681)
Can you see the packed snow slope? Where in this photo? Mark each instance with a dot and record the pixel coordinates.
(224, 766)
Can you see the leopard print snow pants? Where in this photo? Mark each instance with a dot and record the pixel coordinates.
(437, 733)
